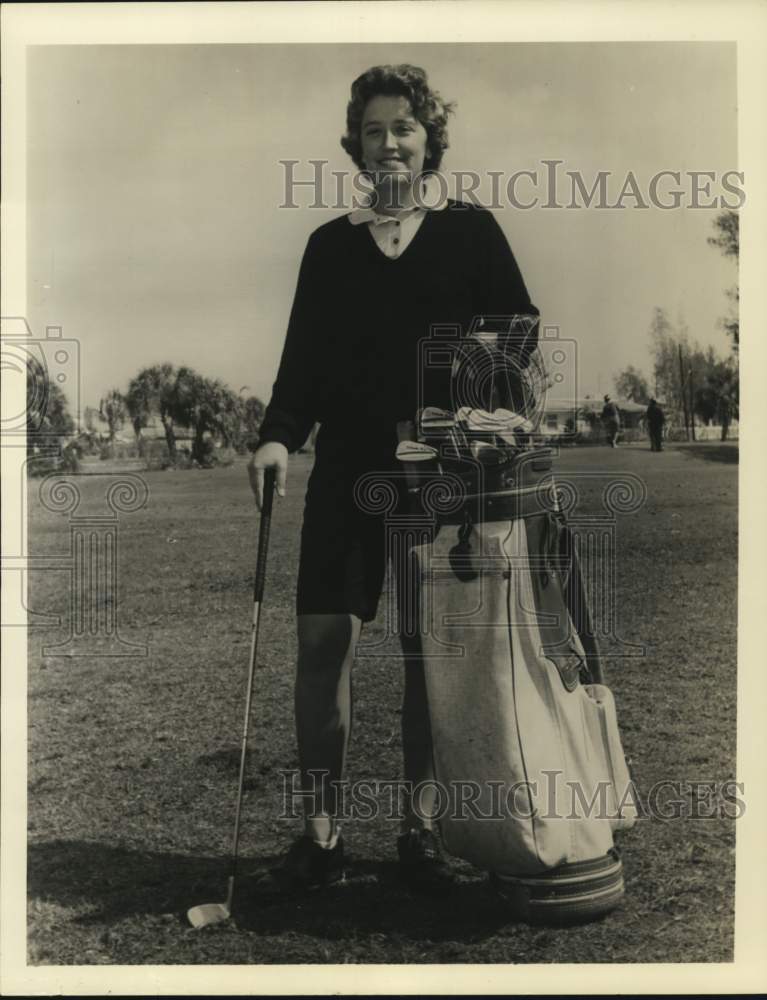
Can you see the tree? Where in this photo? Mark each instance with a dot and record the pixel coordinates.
(113, 410)
(49, 421)
(665, 352)
(139, 409)
(718, 399)
(631, 384)
(721, 393)
(184, 397)
(681, 370)
(208, 406)
(192, 407)
(153, 391)
(704, 385)
(89, 438)
(252, 415)
(231, 418)
(89, 417)
(727, 239)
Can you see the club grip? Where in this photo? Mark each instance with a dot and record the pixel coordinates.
(270, 478)
(263, 534)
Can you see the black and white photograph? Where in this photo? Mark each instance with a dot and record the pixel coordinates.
(381, 571)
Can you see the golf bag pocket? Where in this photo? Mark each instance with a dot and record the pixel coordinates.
(603, 723)
(527, 759)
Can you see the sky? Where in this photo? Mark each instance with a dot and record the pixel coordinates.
(154, 186)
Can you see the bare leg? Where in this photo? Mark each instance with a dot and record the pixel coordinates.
(323, 707)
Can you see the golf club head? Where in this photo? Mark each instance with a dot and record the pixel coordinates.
(500, 422)
(511, 423)
(208, 914)
(433, 421)
(510, 419)
(415, 451)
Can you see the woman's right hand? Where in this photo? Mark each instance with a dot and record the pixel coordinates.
(271, 455)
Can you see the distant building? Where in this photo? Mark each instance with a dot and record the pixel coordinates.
(568, 416)
(153, 431)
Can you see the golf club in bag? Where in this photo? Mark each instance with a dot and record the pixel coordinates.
(518, 706)
(213, 913)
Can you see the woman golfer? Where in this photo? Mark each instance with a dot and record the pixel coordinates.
(371, 285)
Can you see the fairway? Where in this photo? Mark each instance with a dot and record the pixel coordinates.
(133, 760)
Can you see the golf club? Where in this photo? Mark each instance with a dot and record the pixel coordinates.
(434, 422)
(214, 913)
(415, 451)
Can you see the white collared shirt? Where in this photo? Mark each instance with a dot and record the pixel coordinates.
(394, 234)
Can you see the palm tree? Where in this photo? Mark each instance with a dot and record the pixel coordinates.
(196, 402)
(112, 410)
(153, 390)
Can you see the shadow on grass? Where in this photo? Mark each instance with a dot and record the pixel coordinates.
(714, 452)
(121, 882)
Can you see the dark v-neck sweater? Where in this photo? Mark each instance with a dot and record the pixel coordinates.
(351, 358)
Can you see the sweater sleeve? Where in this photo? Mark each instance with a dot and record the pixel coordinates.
(502, 288)
(291, 412)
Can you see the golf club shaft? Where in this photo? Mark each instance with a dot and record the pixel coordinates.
(258, 594)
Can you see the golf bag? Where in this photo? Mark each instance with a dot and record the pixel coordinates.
(527, 751)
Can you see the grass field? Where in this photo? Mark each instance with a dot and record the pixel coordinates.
(133, 761)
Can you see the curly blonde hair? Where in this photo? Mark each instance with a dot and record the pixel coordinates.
(405, 81)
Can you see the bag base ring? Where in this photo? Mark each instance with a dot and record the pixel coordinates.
(568, 894)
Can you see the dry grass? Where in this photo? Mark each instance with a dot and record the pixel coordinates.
(132, 761)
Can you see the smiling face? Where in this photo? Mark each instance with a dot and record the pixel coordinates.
(394, 142)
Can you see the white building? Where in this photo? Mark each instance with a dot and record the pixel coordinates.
(567, 416)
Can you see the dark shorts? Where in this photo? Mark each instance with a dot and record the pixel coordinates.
(343, 559)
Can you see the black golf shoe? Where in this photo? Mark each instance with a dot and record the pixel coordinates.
(305, 868)
(422, 864)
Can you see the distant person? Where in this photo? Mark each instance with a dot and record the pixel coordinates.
(655, 418)
(611, 419)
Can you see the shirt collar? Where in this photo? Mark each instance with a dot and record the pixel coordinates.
(433, 194)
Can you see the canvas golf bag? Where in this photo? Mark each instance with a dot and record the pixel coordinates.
(527, 754)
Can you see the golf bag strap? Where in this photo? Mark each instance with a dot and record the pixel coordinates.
(576, 598)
